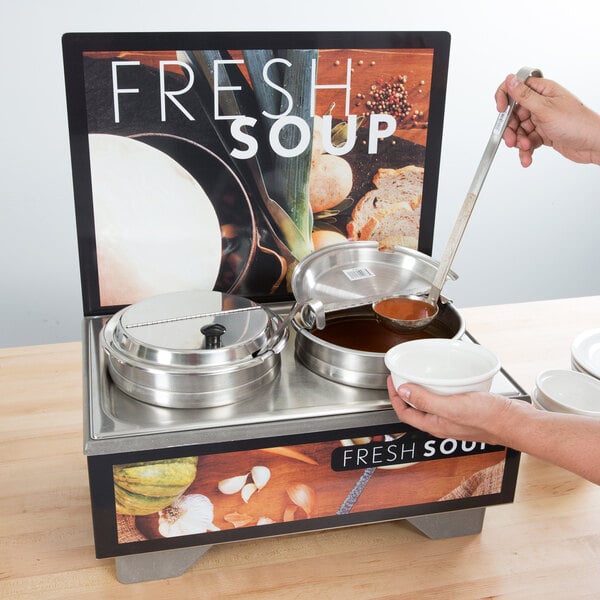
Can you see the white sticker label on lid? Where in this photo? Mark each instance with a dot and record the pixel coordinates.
(357, 273)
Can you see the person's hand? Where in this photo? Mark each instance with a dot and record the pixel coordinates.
(474, 416)
(548, 114)
(569, 441)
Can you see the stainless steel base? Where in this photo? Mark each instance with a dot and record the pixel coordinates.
(157, 565)
(450, 524)
(167, 564)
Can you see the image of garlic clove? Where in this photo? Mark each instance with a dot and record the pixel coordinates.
(247, 491)
(260, 476)
(189, 514)
(356, 441)
(290, 513)
(264, 521)
(238, 519)
(232, 485)
(362, 440)
(303, 496)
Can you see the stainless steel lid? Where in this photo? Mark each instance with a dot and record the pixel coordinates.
(189, 329)
(192, 349)
(354, 273)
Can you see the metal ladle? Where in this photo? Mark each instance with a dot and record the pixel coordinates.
(427, 307)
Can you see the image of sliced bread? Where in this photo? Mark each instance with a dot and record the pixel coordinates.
(390, 214)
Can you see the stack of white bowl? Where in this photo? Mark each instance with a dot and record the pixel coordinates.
(585, 353)
(576, 391)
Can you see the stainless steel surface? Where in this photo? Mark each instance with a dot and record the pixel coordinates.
(354, 273)
(296, 401)
(469, 203)
(159, 351)
(361, 368)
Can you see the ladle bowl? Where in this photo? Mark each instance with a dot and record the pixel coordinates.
(405, 313)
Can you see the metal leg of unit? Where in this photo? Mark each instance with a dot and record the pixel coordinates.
(157, 565)
(450, 524)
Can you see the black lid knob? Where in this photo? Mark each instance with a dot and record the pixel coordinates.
(213, 333)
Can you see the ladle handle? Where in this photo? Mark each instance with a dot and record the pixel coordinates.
(473, 193)
(309, 310)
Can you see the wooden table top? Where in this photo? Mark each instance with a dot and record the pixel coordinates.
(545, 544)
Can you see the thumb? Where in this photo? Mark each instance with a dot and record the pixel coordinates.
(416, 396)
(529, 94)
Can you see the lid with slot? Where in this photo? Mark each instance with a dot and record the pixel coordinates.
(189, 328)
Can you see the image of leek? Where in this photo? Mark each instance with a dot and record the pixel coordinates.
(283, 192)
(288, 180)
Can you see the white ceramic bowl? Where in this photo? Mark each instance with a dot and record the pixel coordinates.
(535, 400)
(443, 366)
(561, 390)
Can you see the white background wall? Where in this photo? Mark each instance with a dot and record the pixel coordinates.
(534, 234)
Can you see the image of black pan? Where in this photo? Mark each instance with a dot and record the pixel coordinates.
(247, 267)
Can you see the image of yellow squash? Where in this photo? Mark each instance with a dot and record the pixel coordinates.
(146, 487)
